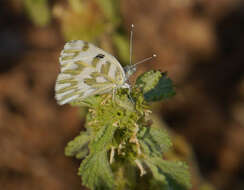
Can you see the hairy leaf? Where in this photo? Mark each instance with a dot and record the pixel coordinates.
(163, 90)
(103, 138)
(175, 172)
(154, 141)
(155, 86)
(159, 181)
(78, 146)
(95, 169)
(148, 80)
(96, 172)
(120, 129)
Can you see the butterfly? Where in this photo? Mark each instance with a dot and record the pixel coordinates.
(87, 70)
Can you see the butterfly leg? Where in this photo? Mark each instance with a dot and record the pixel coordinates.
(126, 85)
(114, 93)
(129, 94)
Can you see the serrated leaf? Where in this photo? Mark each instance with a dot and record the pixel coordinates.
(175, 172)
(96, 172)
(159, 181)
(154, 141)
(81, 154)
(155, 86)
(161, 137)
(78, 146)
(163, 90)
(103, 138)
(148, 80)
(125, 176)
(95, 169)
(91, 101)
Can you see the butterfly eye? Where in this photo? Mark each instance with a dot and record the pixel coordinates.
(100, 56)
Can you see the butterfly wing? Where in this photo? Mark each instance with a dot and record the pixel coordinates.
(86, 70)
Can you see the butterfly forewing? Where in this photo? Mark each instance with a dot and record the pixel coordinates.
(85, 71)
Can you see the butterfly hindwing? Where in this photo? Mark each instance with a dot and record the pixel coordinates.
(85, 71)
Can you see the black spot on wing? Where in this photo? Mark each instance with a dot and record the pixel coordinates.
(100, 56)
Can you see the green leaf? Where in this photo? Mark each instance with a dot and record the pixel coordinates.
(81, 154)
(148, 80)
(154, 141)
(95, 169)
(91, 101)
(78, 146)
(102, 139)
(163, 90)
(159, 181)
(121, 124)
(96, 172)
(155, 86)
(161, 137)
(176, 173)
(125, 176)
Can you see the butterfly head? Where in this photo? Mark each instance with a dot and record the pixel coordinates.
(129, 70)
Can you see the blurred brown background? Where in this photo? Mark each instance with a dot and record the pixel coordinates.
(198, 42)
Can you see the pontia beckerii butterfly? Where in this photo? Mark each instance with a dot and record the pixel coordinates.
(87, 70)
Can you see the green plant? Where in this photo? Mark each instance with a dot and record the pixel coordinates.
(38, 11)
(121, 145)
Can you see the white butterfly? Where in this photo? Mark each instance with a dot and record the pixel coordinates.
(87, 70)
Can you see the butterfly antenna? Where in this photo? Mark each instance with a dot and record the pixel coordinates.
(145, 60)
(131, 42)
